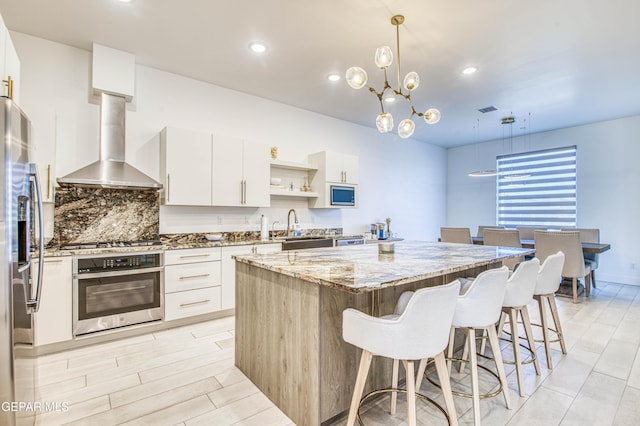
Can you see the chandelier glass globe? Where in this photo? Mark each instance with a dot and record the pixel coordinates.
(432, 116)
(383, 57)
(384, 122)
(411, 81)
(406, 128)
(356, 77)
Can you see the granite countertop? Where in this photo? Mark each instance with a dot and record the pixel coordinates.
(194, 240)
(170, 245)
(361, 268)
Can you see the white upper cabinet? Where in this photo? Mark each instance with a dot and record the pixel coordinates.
(204, 170)
(113, 71)
(228, 179)
(334, 169)
(240, 173)
(43, 150)
(337, 167)
(9, 64)
(185, 166)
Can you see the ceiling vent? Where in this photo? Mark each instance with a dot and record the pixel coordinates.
(488, 109)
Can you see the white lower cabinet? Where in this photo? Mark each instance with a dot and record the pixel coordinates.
(53, 321)
(229, 268)
(193, 302)
(192, 282)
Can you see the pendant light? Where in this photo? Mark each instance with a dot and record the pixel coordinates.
(480, 173)
(357, 78)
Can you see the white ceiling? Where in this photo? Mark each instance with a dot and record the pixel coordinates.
(563, 63)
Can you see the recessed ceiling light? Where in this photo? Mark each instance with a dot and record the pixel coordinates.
(333, 77)
(126, 1)
(258, 47)
(469, 70)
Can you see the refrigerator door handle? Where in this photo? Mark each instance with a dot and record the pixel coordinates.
(34, 304)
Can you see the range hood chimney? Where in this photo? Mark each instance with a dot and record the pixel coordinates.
(111, 170)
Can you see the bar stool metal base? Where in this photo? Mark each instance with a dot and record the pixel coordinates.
(389, 390)
(468, 395)
(504, 361)
(558, 338)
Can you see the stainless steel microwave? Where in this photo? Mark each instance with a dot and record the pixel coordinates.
(342, 195)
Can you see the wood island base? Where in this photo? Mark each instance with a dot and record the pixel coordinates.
(289, 339)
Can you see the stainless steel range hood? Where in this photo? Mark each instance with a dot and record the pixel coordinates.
(111, 171)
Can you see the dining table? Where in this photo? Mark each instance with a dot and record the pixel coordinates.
(595, 248)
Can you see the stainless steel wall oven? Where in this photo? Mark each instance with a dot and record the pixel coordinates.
(112, 291)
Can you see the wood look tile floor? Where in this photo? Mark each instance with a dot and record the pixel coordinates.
(186, 376)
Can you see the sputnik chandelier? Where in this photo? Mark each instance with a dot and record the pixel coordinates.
(357, 79)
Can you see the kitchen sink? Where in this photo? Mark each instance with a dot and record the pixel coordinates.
(301, 243)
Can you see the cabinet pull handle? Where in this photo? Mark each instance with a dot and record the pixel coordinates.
(243, 186)
(53, 261)
(48, 181)
(199, 302)
(189, 256)
(9, 83)
(190, 277)
(168, 187)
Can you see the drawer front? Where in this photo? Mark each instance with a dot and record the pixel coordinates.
(191, 276)
(192, 302)
(178, 257)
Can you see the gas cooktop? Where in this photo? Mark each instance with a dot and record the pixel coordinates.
(111, 244)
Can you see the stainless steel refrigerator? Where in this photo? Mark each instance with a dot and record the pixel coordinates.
(19, 294)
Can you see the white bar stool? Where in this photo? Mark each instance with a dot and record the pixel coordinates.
(518, 294)
(479, 307)
(548, 282)
(418, 333)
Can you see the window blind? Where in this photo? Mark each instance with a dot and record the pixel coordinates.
(537, 188)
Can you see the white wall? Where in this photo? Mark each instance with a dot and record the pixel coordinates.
(401, 179)
(608, 187)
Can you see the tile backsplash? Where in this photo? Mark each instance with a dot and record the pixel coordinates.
(84, 215)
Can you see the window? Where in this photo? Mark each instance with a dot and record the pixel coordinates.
(537, 188)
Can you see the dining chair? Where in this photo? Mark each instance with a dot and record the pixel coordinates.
(455, 235)
(504, 238)
(526, 232)
(568, 242)
(589, 235)
(481, 229)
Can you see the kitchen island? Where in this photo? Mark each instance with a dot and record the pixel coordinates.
(289, 314)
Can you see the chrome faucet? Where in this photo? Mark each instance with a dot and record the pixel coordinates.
(295, 218)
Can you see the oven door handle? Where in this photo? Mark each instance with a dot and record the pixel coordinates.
(90, 275)
(119, 290)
